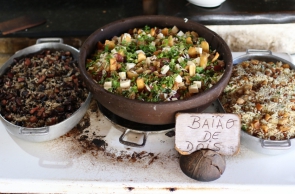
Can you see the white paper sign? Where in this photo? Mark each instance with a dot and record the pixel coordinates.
(215, 131)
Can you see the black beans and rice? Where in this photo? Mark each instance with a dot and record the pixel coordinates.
(42, 89)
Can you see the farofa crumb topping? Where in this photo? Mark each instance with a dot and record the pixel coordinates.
(263, 95)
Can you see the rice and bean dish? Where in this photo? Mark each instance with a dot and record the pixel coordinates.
(263, 95)
(41, 89)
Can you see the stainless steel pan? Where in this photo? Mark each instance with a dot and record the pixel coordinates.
(270, 147)
(49, 132)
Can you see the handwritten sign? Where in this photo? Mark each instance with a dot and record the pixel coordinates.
(218, 132)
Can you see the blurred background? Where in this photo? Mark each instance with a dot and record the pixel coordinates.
(266, 24)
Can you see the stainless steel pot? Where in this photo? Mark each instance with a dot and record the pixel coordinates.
(269, 147)
(48, 132)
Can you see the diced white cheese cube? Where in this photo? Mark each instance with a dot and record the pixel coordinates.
(160, 36)
(198, 83)
(197, 61)
(139, 51)
(107, 85)
(126, 37)
(193, 88)
(125, 83)
(98, 63)
(190, 63)
(174, 30)
(167, 48)
(199, 50)
(129, 66)
(113, 51)
(178, 79)
(164, 69)
(180, 33)
(180, 59)
(122, 75)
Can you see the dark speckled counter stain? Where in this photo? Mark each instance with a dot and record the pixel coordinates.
(172, 189)
(170, 134)
(130, 188)
(84, 141)
(98, 142)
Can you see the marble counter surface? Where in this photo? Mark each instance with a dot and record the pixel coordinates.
(273, 37)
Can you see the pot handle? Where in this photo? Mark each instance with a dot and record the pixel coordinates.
(44, 40)
(56, 40)
(34, 131)
(279, 145)
(132, 144)
(249, 51)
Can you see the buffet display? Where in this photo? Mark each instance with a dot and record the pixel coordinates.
(139, 73)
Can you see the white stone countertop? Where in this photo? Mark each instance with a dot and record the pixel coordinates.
(273, 37)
